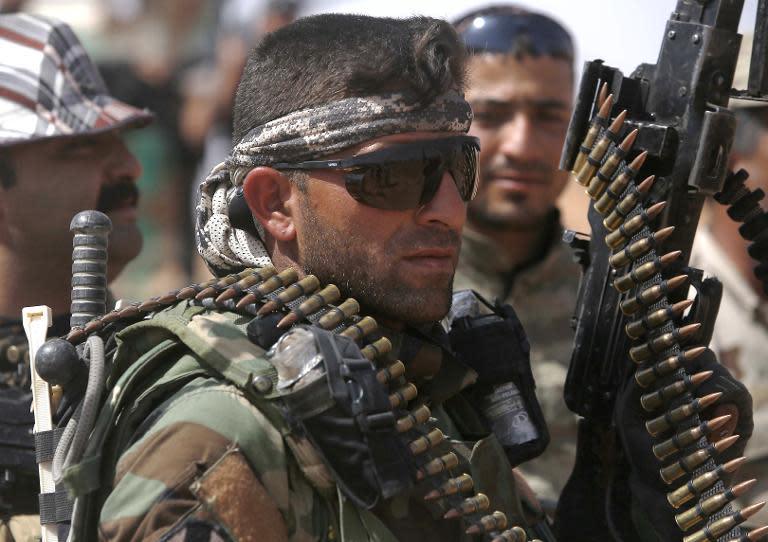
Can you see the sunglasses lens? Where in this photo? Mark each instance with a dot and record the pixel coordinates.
(401, 182)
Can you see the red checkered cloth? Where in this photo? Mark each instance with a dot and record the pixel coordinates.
(49, 87)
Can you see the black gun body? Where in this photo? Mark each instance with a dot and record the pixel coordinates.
(678, 106)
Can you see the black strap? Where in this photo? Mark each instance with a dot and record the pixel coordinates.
(55, 507)
(45, 444)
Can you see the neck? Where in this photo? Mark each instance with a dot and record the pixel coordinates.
(519, 245)
(28, 283)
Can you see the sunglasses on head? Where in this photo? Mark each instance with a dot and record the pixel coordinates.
(509, 33)
(404, 176)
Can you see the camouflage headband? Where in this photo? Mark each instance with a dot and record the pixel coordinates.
(302, 135)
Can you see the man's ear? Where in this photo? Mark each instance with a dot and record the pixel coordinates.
(267, 192)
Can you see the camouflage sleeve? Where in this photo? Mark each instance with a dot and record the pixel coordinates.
(207, 466)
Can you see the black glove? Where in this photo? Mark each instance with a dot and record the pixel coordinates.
(652, 514)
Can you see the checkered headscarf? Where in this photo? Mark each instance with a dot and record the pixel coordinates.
(49, 86)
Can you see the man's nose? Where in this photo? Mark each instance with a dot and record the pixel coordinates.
(446, 208)
(121, 162)
(519, 138)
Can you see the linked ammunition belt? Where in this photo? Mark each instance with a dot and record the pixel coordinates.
(264, 291)
(744, 208)
(674, 424)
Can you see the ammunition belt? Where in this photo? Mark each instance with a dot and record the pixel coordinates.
(744, 208)
(660, 359)
(264, 291)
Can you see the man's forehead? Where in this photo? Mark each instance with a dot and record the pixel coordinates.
(510, 77)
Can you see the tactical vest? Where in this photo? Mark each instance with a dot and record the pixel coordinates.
(155, 358)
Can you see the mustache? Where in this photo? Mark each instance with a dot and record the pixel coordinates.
(118, 195)
(430, 238)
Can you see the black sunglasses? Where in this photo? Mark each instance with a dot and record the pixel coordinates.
(405, 176)
(510, 33)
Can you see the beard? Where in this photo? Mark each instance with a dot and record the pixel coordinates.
(369, 273)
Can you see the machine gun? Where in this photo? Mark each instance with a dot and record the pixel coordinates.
(649, 154)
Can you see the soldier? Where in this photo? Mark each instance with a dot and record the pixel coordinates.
(60, 152)
(350, 165)
(520, 86)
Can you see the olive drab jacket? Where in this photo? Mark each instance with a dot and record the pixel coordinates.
(186, 446)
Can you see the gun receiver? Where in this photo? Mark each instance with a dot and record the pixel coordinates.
(666, 123)
(678, 107)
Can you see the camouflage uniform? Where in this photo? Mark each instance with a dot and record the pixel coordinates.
(740, 340)
(543, 293)
(185, 447)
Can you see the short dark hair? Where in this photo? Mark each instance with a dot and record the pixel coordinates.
(7, 171)
(323, 58)
(524, 43)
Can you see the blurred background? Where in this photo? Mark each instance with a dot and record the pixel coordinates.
(182, 59)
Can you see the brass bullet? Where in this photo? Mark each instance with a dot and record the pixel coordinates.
(192, 290)
(648, 376)
(676, 415)
(281, 280)
(315, 302)
(657, 399)
(438, 465)
(460, 484)
(377, 348)
(618, 238)
(600, 120)
(399, 398)
(612, 195)
(425, 442)
(639, 248)
(130, 311)
(394, 371)
(413, 418)
(470, 505)
(604, 175)
(650, 295)
(150, 304)
(693, 488)
(76, 335)
(687, 464)
(644, 272)
(515, 534)
(360, 329)
(252, 279)
(587, 171)
(602, 96)
(110, 317)
(657, 345)
(222, 283)
(685, 438)
(336, 315)
(707, 507)
(305, 286)
(723, 525)
(626, 205)
(497, 521)
(649, 322)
